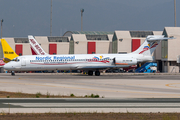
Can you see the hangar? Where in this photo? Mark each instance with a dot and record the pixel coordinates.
(98, 42)
(89, 42)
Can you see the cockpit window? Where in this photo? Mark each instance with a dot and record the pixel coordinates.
(16, 60)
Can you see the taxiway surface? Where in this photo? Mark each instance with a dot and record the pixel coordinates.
(106, 85)
(99, 105)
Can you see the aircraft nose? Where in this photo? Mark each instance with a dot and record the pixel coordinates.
(7, 66)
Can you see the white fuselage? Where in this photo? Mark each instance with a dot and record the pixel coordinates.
(74, 62)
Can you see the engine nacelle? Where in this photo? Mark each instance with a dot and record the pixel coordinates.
(124, 61)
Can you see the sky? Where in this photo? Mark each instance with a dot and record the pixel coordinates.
(32, 17)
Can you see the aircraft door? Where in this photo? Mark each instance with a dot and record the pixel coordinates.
(23, 62)
(114, 61)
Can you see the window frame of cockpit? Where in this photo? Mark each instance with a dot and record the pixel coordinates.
(16, 59)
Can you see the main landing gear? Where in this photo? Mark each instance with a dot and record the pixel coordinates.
(97, 73)
(12, 73)
(90, 72)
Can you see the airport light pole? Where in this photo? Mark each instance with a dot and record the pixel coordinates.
(174, 13)
(51, 20)
(82, 10)
(1, 27)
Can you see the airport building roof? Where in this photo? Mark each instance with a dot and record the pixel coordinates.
(69, 33)
(21, 40)
(140, 33)
(58, 39)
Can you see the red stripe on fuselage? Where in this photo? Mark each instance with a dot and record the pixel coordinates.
(51, 63)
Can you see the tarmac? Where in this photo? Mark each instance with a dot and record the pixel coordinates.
(157, 92)
(108, 85)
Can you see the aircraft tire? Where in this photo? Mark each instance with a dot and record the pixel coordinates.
(12, 73)
(90, 72)
(97, 73)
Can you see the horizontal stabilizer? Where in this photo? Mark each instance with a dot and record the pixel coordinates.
(158, 37)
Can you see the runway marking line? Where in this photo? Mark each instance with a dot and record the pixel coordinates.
(105, 90)
(170, 85)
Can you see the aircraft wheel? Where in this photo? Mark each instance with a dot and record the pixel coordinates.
(90, 73)
(12, 73)
(97, 73)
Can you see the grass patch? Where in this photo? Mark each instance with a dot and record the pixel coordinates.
(92, 96)
(90, 116)
(47, 94)
(38, 94)
(72, 95)
(4, 94)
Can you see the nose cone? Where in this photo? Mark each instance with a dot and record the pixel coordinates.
(7, 66)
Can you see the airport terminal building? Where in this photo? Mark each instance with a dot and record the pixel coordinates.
(122, 42)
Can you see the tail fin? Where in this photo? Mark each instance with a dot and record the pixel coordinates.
(9, 53)
(2, 62)
(150, 44)
(36, 49)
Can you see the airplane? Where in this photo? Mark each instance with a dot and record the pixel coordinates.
(90, 62)
(9, 53)
(36, 49)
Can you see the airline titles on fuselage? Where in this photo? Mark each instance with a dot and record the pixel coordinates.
(55, 58)
(64, 59)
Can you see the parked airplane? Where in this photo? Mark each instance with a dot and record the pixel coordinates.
(35, 47)
(9, 53)
(90, 62)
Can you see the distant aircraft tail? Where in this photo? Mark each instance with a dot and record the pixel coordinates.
(36, 49)
(9, 53)
(150, 44)
(2, 63)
